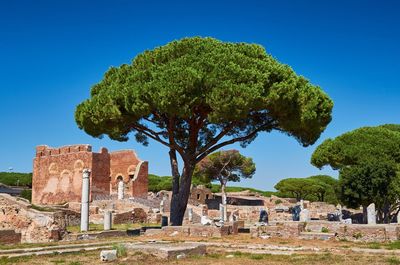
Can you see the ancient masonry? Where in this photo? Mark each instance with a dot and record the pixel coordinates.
(57, 174)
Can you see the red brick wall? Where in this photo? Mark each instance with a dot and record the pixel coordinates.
(133, 171)
(57, 173)
(141, 183)
(100, 175)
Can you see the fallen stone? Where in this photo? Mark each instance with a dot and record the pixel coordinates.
(167, 250)
(108, 255)
(175, 233)
(181, 256)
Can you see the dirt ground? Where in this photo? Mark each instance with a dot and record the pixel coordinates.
(92, 258)
(330, 252)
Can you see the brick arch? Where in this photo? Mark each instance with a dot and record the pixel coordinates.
(131, 170)
(79, 165)
(65, 180)
(53, 169)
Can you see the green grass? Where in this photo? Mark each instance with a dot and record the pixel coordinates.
(393, 261)
(42, 209)
(14, 260)
(394, 245)
(100, 227)
(121, 250)
(14, 179)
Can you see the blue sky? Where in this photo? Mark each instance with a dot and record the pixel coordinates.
(52, 52)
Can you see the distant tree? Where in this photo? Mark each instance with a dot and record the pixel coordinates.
(224, 166)
(368, 161)
(197, 95)
(300, 188)
(328, 193)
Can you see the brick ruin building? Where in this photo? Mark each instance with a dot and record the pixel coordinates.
(57, 173)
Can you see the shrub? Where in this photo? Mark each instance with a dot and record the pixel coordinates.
(357, 235)
(324, 230)
(278, 201)
(26, 194)
(121, 250)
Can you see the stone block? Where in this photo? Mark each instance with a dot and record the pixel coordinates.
(108, 255)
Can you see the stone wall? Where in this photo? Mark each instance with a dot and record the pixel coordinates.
(57, 173)
(9, 237)
(360, 232)
(32, 225)
(351, 232)
(137, 215)
(126, 165)
(200, 195)
(195, 230)
(279, 229)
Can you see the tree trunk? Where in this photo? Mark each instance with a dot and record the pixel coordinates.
(223, 194)
(180, 189)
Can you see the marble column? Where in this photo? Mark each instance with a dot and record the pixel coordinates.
(107, 220)
(120, 190)
(85, 200)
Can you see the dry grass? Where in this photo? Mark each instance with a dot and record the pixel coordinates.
(100, 227)
(92, 258)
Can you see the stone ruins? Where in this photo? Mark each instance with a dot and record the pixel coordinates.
(57, 174)
(77, 187)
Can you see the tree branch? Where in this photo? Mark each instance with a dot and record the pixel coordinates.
(234, 140)
(215, 139)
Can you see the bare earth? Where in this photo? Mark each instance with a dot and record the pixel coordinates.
(240, 249)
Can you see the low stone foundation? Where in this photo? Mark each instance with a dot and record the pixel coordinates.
(351, 232)
(281, 229)
(33, 226)
(195, 230)
(9, 237)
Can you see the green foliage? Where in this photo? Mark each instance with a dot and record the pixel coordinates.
(368, 160)
(224, 166)
(278, 201)
(394, 245)
(26, 194)
(197, 95)
(356, 147)
(215, 188)
(157, 183)
(302, 188)
(14, 178)
(121, 250)
(221, 82)
(324, 230)
(393, 261)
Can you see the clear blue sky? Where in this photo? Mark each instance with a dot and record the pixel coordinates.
(52, 52)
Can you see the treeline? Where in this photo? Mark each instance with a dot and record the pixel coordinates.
(315, 188)
(16, 179)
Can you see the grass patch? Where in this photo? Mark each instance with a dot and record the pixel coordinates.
(324, 230)
(100, 227)
(374, 245)
(14, 260)
(394, 245)
(393, 261)
(59, 261)
(121, 250)
(42, 209)
(75, 263)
